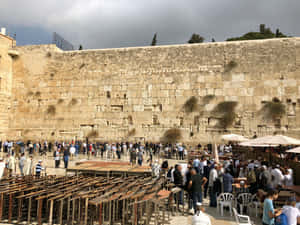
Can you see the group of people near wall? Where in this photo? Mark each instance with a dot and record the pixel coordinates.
(207, 178)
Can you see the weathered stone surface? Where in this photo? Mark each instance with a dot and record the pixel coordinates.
(144, 88)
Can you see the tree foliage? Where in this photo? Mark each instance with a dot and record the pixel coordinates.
(196, 38)
(264, 33)
(154, 40)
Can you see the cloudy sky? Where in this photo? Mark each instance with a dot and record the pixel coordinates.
(122, 23)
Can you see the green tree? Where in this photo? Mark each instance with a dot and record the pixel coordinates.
(154, 40)
(264, 33)
(213, 40)
(196, 38)
(80, 47)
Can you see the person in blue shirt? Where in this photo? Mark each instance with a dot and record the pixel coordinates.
(227, 181)
(269, 213)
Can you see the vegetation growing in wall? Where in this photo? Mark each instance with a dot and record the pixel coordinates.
(93, 134)
(224, 112)
(48, 54)
(131, 132)
(73, 101)
(30, 93)
(51, 110)
(230, 66)
(191, 105)
(207, 99)
(82, 65)
(273, 110)
(172, 135)
(25, 132)
(37, 94)
(60, 101)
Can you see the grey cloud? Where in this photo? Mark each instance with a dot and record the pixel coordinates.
(121, 23)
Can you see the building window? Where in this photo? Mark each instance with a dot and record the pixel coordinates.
(108, 94)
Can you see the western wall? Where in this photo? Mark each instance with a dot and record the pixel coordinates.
(138, 93)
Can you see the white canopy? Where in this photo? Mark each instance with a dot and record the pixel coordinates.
(271, 141)
(234, 137)
(294, 150)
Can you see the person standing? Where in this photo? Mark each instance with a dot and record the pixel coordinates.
(196, 185)
(140, 157)
(196, 165)
(11, 164)
(178, 181)
(56, 157)
(39, 168)
(22, 163)
(28, 166)
(265, 179)
(2, 167)
(277, 177)
(213, 175)
(66, 157)
(227, 181)
(269, 213)
(72, 151)
(292, 213)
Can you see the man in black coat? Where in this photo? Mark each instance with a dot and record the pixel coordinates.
(178, 181)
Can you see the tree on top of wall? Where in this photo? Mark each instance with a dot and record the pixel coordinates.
(154, 40)
(264, 33)
(196, 38)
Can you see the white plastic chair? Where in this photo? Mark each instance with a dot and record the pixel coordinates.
(225, 199)
(243, 200)
(255, 204)
(241, 219)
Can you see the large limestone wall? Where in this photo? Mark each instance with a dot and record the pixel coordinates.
(6, 44)
(113, 91)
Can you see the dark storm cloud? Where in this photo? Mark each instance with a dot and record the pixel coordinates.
(120, 23)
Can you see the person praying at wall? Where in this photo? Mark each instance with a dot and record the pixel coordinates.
(22, 162)
(66, 157)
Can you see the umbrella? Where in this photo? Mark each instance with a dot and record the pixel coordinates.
(215, 153)
(234, 137)
(294, 150)
(271, 141)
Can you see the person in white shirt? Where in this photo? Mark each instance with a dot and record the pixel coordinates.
(292, 213)
(155, 169)
(200, 218)
(277, 177)
(72, 151)
(2, 167)
(288, 178)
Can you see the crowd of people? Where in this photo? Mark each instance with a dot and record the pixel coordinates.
(202, 177)
(206, 178)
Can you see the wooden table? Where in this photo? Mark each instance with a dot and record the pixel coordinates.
(295, 188)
